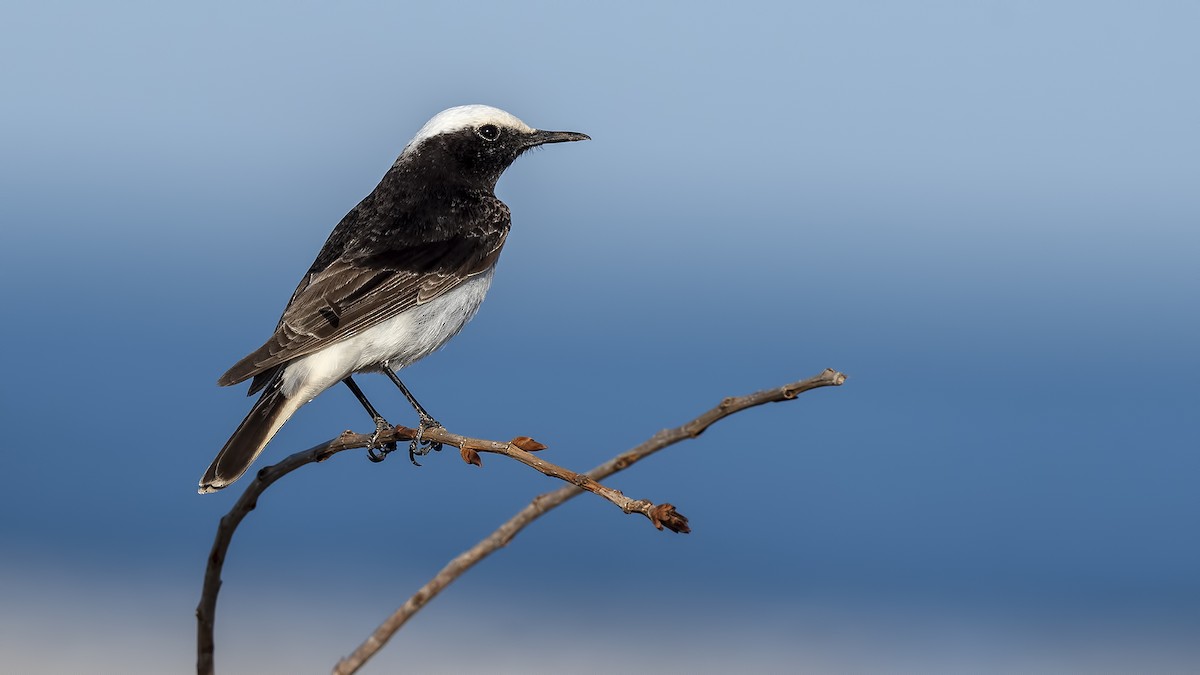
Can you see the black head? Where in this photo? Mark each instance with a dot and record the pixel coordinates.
(475, 144)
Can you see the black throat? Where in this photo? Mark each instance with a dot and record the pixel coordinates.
(437, 190)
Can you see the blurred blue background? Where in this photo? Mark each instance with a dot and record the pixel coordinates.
(985, 213)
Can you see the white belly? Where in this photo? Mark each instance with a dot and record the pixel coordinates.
(399, 341)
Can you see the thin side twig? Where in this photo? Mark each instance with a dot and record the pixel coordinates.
(546, 502)
(661, 515)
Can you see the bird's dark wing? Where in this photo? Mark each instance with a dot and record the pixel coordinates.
(354, 293)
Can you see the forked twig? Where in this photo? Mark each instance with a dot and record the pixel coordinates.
(520, 449)
(544, 503)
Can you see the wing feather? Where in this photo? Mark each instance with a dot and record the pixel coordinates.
(356, 292)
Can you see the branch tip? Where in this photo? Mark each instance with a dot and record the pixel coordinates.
(665, 515)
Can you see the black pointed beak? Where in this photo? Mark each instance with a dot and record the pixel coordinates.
(539, 137)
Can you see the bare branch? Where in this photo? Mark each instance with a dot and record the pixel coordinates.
(520, 448)
(544, 503)
(660, 516)
(206, 610)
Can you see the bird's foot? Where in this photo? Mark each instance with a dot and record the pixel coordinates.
(420, 446)
(376, 451)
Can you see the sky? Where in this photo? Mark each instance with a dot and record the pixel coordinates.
(984, 213)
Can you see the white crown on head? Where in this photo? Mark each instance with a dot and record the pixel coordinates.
(464, 117)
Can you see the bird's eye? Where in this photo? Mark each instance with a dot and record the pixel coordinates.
(488, 132)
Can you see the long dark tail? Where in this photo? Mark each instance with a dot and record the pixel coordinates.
(266, 417)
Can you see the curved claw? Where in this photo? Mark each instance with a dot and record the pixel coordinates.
(422, 447)
(379, 453)
(376, 451)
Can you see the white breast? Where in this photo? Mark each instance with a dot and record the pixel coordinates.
(399, 341)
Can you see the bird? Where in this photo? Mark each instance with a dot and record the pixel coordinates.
(400, 275)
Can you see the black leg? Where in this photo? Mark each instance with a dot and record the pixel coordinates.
(381, 424)
(418, 446)
(408, 394)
